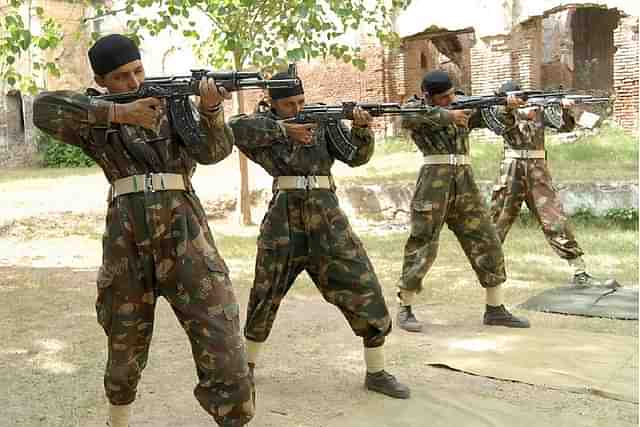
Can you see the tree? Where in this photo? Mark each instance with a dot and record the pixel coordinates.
(266, 34)
(21, 48)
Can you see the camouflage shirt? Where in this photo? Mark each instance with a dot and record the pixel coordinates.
(124, 150)
(434, 131)
(523, 133)
(261, 139)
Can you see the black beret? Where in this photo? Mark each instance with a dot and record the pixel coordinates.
(509, 86)
(285, 92)
(436, 82)
(110, 52)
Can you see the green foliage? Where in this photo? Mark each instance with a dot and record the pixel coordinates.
(395, 145)
(18, 42)
(270, 33)
(58, 155)
(624, 218)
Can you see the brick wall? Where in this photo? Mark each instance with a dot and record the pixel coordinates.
(625, 74)
(490, 64)
(557, 63)
(490, 67)
(526, 54)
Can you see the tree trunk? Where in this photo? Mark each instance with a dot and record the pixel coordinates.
(243, 204)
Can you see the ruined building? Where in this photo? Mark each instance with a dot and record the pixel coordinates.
(542, 44)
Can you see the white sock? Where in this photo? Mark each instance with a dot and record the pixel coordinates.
(578, 265)
(405, 297)
(495, 297)
(119, 415)
(253, 349)
(374, 359)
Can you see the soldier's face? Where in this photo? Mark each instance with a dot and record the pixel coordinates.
(443, 99)
(125, 78)
(288, 107)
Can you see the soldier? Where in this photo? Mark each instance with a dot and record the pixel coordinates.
(525, 177)
(157, 241)
(446, 193)
(304, 228)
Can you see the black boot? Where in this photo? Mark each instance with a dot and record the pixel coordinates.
(585, 280)
(500, 316)
(407, 320)
(385, 383)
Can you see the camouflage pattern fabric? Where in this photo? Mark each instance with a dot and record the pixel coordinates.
(307, 231)
(529, 181)
(158, 244)
(448, 194)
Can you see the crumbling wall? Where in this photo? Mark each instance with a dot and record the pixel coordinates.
(593, 47)
(625, 73)
(17, 145)
(490, 64)
(557, 54)
(490, 67)
(526, 54)
(421, 56)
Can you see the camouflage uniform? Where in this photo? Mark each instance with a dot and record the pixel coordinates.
(307, 230)
(528, 180)
(447, 194)
(158, 243)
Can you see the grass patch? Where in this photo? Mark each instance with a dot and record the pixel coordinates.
(532, 266)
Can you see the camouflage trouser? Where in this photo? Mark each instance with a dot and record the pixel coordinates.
(160, 244)
(449, 194)
(529, 181)
(307, 230)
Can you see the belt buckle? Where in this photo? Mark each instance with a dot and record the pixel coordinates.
(148, 183)
(312, 182)
(301, 182)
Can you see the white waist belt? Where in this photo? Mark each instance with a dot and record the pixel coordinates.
(310, 182)
(147, 183)
(447, 159)
(524, 154)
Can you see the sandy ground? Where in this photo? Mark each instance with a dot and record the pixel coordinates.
(311, 373)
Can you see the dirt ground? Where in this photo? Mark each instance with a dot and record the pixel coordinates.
(311, 373)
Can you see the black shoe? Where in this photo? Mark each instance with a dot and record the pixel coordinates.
(385, 383)
(500, 316)
(407, 320)
(585, 280)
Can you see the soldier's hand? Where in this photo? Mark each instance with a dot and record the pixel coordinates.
(461, 117)
(211, 95)
(514, 102)
(567, 103)
(143, 112)
(361, 118)
(300, 133)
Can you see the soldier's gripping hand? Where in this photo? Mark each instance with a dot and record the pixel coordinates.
(143, 112)
(567, 103)
(461, 117)
(211, 96)
(299, 133)
(361, 118)
(514, 102)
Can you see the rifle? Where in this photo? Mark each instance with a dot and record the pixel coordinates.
(330, 116)
(488, 104)
(553, 106)
(176, 90)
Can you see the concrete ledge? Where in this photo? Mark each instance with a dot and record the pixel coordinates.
(392, 201)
